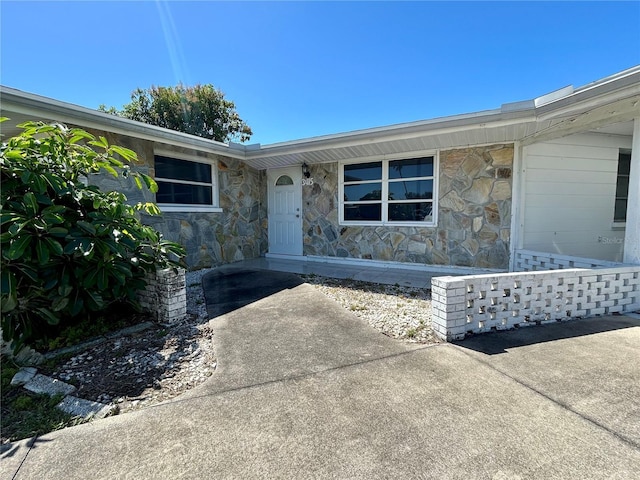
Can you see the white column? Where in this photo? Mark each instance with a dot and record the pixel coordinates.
(517, 204)
(632, 230)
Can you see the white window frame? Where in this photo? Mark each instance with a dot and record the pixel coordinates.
(385, 190)
(187, 207)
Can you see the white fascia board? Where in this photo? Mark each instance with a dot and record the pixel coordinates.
(592, 96)
(554, 96)
(486, 119)
(552, 105)
(13, 100)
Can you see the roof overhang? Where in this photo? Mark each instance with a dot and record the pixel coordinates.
(609, 101)
(566, 111)
(22, 106)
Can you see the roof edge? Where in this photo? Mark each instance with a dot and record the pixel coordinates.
(564, 101)
(547, 105)
(87, 117)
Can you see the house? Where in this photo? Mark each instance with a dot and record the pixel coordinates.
(558, 174)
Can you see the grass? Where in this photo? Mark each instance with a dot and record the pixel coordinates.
(26, 414)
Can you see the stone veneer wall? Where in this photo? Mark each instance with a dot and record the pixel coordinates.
(474, 216)
(239, 232)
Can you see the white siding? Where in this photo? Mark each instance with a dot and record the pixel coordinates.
(569, 187)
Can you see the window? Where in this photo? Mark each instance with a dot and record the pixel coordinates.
(388, 192)
(284, 180)
(622, 186)
(185, 185)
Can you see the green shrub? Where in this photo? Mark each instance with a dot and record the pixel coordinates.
(69, 250)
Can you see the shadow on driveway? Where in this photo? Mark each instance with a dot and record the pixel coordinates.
(499, 342)
(226, 290)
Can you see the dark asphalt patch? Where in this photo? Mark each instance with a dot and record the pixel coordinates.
(228, 290)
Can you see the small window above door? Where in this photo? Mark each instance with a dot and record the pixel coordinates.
(284, 180)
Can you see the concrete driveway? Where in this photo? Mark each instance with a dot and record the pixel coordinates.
(306, 390)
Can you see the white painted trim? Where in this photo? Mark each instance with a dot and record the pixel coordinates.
(517, 204)
(452, 269)
(618, 86)
(166, 207)
(385, 181)
(215, 190)
(184, 156)
(396, 156)
(282, 256)
(354, 223)
(361, 262)
(436, 188)
(632, 230)
(38, 106)
(295, 172)
(611, 88)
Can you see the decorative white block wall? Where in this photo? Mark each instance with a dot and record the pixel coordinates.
(529, 260)
(482, 303)
(166, 295)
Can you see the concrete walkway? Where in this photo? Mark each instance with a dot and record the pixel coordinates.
(306, 390)
(402, 274)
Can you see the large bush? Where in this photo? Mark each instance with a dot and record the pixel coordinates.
(69, 250)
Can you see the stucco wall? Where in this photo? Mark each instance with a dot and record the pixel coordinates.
(474, 216)
(211, 239)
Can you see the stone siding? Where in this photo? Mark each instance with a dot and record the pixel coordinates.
(474, 216)
(239, 232)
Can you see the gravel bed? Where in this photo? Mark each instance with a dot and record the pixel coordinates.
(397, 311)
(147, 367)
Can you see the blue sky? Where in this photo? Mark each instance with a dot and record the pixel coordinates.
(302, 69)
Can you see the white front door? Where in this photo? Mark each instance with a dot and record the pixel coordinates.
(285, 211)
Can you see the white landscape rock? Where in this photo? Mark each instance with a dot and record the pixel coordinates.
(51, 386)
(24, 375)
(86, 409)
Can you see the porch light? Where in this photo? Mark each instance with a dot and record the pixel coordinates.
(305, 170)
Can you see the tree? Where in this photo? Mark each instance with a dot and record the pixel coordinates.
(201, 110)
(68, 249)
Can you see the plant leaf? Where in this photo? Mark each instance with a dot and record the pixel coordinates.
(42, 251)
(59, 303)
(87, 227)
(9, 302)
(18, 247)
(31, 203)
(48, 316)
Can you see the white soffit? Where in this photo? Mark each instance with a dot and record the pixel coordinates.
(432, 140)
